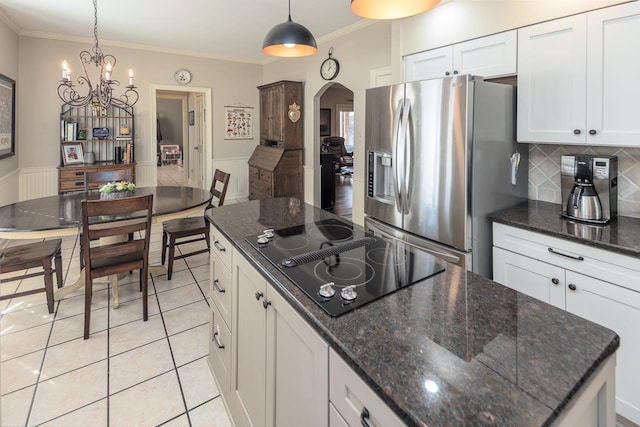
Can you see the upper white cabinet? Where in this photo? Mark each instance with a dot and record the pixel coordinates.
(490, 56)
(573, 84)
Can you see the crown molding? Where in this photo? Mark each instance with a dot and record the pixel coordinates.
(5, 18)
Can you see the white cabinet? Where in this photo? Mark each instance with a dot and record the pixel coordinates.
(353, 401)
(280, 364)
(490, 56)
(572, 84)
(598, 285)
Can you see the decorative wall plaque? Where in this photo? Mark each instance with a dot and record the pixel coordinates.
(294, 112)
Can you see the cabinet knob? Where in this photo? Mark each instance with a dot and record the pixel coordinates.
(455, 71)
(447, 73)
(364, 416)
(577, 131)
(216, 285)
(555, 281)
(572, 286)
(266, 303)
(259, 295)
(592, 132)
(217, 341)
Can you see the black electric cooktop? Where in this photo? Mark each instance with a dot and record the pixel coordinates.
(354, 266)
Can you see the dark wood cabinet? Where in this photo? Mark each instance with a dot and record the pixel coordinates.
(71, 177)
(275, 167)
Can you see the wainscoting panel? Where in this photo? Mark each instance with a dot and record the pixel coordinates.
(38, 182)
(146, 174)
(9, 185)
(239, 170)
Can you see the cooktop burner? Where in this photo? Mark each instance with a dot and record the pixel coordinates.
(340, 266)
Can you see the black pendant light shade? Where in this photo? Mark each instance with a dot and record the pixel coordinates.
(289, 39)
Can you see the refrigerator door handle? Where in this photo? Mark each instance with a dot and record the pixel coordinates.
(408, 154)
(398, 165)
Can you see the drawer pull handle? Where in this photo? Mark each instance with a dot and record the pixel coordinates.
(555, 281)
(217, 340)
(364, 416)
(79, 173)
(79, 183)
(216, 284)
(259, 295)
(572, 286)
(577, 258)
(219, 247)
(266, 303)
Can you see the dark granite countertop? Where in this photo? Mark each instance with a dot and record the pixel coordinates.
(621, 236)
(456, 349)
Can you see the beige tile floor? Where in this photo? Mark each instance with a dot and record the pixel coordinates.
(129, 372)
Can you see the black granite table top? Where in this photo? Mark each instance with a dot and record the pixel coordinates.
(621, 236)
(456, 349)
(64, 211)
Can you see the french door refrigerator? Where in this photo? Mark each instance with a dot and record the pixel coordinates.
(441, 156)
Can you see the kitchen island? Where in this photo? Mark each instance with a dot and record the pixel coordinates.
(454, 349)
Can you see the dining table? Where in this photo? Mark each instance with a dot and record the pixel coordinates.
(61, 215)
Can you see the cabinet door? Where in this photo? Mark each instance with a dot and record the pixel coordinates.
(265, 114)
(529, 276)
(431, 64)
(490, 56)
(277, 113)
(552, 81)
(248, 377)
(613, 57)
(618, 309)
(297, 369)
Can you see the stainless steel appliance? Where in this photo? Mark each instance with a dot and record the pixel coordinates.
(589, 187)
(340, 266)
(441, 156)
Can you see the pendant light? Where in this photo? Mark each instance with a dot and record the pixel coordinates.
(391, 9)
(289, 39)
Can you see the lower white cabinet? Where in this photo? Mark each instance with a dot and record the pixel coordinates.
(280, 364)
(598, 285)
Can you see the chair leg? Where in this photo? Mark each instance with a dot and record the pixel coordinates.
(144, 278)
(58, 264)
(207, 238)
(48, 282)
(81, 254)
(172, 253)
(164, 246)
(88, 290)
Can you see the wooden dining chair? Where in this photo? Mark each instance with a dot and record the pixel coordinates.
(33, 255)
(195, 226)
(92, 180)
(109, 221)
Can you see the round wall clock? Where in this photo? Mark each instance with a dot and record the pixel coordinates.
(183, 76)
(330, 67)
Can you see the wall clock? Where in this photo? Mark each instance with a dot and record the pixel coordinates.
(330, 67)
(183, 76)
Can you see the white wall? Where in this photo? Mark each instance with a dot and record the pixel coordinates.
(9, 67)
(39, 64)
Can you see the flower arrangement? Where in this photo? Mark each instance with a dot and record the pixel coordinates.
(113, 190)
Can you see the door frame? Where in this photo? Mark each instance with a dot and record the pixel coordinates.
(208, 127)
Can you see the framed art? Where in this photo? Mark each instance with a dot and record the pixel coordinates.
(238, 122)
(192, 118)
(72, 153)
(325, 121)
(7, 117)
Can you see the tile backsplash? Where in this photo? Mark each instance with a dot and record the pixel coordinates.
(544, 173)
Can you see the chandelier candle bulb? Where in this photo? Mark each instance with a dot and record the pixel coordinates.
(107, 75)
(130, 77)
(64, 70)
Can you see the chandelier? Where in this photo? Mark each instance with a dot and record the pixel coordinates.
(100, 95)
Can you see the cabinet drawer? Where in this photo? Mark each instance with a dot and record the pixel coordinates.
(255, 194)
(220, 351)
(260, 185)
(335, 419)
(221, 247)
(353, 398)
(612, 267)
(72, 185)
(74, 174)
(254, 172)
(221, 289)
(266, 176)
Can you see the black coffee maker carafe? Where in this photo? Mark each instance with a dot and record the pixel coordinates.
(589, 188)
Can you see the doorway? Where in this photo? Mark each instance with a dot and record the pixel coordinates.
(190, 131)
(337, 140)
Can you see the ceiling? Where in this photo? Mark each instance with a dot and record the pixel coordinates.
(225, 29)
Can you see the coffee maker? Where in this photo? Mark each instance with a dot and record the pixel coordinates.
(590, 188)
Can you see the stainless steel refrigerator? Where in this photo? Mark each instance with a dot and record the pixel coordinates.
(441, 156)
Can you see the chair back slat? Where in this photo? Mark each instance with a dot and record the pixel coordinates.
(94, 179)
(219, 191)
(117, 249)
(98, 231)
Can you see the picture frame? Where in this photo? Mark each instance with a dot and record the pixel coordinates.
(325, 121)
(72, 153)
(192, 118)
(7, 117)
(238, 122)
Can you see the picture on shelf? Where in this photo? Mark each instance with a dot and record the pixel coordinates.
(72, 153)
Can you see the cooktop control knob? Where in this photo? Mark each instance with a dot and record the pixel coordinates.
(268, 233)
(262, 239)
(349, 293)
(327, 291)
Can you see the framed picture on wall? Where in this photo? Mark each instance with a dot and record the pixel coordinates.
(7, 117)
(238, 122)
(192, 118)
(72, 153)
(325, 121)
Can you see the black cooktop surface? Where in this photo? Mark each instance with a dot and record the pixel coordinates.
(359, 266)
